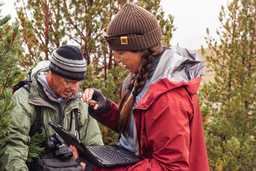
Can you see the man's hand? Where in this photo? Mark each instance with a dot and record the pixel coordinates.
(76, 156)
(83, 165)
(74, 152)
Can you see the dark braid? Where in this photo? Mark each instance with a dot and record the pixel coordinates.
(132, 83)
(137, 83)
(145, 73)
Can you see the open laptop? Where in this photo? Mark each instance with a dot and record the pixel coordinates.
(99, 155)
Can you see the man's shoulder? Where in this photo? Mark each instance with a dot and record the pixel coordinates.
(21, 93)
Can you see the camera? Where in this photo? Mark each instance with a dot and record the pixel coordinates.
(58, 147)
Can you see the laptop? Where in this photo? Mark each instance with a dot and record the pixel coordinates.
(106, 156)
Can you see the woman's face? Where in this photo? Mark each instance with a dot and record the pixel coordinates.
(130, 60)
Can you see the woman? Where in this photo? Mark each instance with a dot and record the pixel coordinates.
(158, 116)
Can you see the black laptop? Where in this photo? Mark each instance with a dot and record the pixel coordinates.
(100, 155)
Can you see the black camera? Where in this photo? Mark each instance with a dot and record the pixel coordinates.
(57, 145)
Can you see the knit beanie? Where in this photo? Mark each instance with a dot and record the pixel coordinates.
(68, 62)
(134, 29)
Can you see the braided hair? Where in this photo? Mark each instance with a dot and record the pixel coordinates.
(137, 83)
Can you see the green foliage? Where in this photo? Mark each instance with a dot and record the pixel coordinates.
(46, 25)
(9, 71)
(6, 106)
(229, 99)
(35, 146)
(108, 85)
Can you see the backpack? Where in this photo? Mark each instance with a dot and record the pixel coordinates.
(48, 161)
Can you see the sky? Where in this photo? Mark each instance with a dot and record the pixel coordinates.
(191, 18)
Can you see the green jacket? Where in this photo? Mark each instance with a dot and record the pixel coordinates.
(14, 153)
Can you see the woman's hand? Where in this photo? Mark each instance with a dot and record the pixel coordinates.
(87, 97)
(96, 100)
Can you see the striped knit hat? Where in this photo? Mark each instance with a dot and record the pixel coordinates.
(133, 29)
(68, 62)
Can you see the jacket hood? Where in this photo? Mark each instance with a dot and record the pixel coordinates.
(178, 67)
(41, 66)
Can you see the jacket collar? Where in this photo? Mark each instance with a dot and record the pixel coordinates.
(163, 86)
(177, 67)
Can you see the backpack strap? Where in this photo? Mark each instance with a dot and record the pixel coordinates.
(37, 125)
(77, 123)
(23, 83)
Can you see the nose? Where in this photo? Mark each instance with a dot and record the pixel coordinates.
(72, 86)
(117, 57)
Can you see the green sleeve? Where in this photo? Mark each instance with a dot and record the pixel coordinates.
(14, 150)
(90, 132)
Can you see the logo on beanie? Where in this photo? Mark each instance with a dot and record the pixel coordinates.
(124, 40)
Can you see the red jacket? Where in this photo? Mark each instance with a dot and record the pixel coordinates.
(169, 128)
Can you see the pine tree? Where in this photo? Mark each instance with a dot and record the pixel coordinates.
(46, 25)
(229, 100)
(9, 72)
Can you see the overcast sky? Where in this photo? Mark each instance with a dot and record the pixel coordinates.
(191, 18)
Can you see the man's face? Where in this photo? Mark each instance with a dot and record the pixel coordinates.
(63, 87)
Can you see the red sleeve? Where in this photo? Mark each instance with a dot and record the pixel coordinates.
(167, 135)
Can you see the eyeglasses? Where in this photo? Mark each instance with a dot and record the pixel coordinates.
(68, 81)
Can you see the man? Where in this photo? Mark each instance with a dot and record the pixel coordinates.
(53, 93)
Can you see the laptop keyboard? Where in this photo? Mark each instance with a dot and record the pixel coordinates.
(112, 154)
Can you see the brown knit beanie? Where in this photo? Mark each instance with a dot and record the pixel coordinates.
(133, 29)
